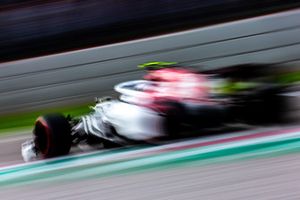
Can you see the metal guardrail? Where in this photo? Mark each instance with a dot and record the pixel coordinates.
(78, 76)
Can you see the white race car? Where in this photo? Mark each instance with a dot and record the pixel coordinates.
(169, 102)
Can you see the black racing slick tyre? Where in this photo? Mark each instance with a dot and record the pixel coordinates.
(52, 135)
(264, 106)
(174, 115)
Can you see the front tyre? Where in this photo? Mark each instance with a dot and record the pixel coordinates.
(52, 135)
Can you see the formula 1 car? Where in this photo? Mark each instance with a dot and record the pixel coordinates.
(168, 103)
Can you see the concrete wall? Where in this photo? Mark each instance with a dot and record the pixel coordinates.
(78, 76)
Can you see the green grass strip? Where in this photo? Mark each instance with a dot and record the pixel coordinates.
(17, 121)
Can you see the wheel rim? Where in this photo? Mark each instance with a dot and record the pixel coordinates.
(42, 136)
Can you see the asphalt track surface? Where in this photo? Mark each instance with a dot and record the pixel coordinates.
(268, 177)
(10, 149)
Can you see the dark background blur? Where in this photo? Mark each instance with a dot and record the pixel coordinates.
(39, 27)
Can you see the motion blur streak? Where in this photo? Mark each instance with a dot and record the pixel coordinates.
(98, 44)
(77, 77)
(270, 178)
(196, 179)
(30, 28)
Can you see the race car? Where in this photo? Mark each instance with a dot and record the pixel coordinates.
(169, 102)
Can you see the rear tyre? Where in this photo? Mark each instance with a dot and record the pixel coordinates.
(52, 135)
(174, 115)
(264, 106)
